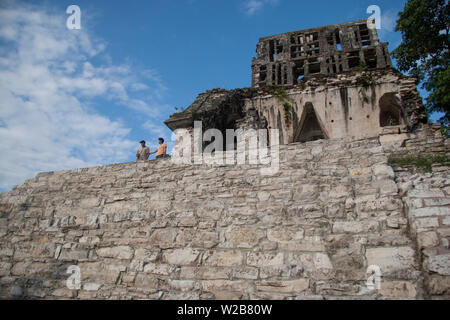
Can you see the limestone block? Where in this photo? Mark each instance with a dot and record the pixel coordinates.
(339, 192)
(144, 280)
(262, 259)
(322, 261)
(440, 264)
(446, 220)
(391, 258)
(306, 191)
(383, 171)
(263, 195)
(205, 239)
(424, 223)
(225, 285)
(36, 291)
(212, 209)
(89, 240)
(6, 252)
(159, 268)
(145, 255)
(184, 256)
(244, 236)
(438, 285)
(16, 291)
(386, 186)
(430, 211)
(397, 289)
(423, 193)
(73, 255)
(5, 268)
(285, 235)
(91, 286)
(316, 150)
(428, 239)
(63, 293)
(283, 286)
(221, 258)
(314, 243)
(119, 252)
(89, 202)
(99, 272)
(181, 285)
(429, 202)
(120, 206)
(393, 140)
(205, 272)
(355, 226)
(360, 172)
(244, 272)
(136, 265)
(164, 238)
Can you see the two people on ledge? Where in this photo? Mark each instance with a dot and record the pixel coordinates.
(144, 152)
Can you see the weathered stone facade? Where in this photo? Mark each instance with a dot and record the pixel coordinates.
(157, 230)
(355, 105)
(348, 89)
(285, 58)
(335, 208)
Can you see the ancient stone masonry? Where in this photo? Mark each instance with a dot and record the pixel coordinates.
(157, 230)
(337, 207)
(330, 82)
(357, 104)
(285, 58)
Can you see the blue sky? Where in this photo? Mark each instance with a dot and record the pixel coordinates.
(78, 98)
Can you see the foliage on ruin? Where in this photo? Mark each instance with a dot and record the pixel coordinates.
(424, 162)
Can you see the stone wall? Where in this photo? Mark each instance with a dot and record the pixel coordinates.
(427, 199)
(284, 58)
(353, 105)
(157, 230)
(344, 105)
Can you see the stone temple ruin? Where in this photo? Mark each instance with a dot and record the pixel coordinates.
(285, 58)
(322, 83)
(338, 205)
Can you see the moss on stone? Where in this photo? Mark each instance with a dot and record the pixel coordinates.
(424, 162)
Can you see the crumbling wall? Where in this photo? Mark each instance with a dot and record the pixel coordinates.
(356, 105)
(427, 200)
(157, 230)
(285, 58)
(427, 203)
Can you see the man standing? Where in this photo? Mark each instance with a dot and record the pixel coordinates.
(143, 152)
(161, 151)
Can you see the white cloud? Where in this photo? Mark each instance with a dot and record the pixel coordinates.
(388, 23)
(252, 7)
(388, 20)
(48, 90)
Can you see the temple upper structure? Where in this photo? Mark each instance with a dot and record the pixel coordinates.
(285, 58)
(330, 82)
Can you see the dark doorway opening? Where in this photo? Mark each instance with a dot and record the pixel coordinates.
(309, 128)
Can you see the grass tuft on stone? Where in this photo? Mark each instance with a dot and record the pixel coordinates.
(424, 162)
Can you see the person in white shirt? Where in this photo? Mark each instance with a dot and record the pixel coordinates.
(143, 152)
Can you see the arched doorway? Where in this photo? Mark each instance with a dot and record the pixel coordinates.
(390, 110)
